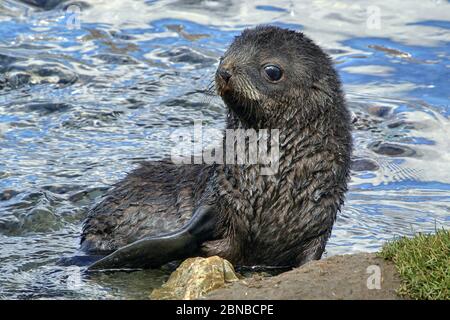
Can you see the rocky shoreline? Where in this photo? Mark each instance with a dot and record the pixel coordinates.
(354, 276)
(406, 268)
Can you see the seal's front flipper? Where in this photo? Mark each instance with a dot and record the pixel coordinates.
(152, 252)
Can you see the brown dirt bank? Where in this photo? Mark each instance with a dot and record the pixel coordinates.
(337, 277)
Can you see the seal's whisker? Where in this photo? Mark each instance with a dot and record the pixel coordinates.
(209, 93)
(211, 86)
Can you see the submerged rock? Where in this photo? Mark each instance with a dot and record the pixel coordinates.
(391, 149)
(195, 277)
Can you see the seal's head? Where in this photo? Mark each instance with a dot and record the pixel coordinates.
(269, 72)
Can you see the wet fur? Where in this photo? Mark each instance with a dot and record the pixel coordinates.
(279, 220)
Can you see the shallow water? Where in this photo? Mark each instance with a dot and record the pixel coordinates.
(87, 91)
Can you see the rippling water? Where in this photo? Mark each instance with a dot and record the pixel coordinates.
(88, 89)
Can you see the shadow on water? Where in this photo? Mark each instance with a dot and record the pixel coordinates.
(88, 89)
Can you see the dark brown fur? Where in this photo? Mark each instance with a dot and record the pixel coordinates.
(283, 219)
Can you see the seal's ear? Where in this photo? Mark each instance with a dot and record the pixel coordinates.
(153, 252)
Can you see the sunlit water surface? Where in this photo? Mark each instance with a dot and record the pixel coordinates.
(84, 97)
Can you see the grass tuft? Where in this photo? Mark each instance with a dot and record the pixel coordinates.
(423, 263)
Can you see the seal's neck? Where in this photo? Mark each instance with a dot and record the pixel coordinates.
(307, 127)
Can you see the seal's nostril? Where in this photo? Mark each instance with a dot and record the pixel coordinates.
(224, 74)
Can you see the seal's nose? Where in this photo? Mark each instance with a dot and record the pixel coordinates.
(224, 74)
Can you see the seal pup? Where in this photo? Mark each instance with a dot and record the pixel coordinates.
(269, 78)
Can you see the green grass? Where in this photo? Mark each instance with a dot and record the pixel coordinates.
(423, 263)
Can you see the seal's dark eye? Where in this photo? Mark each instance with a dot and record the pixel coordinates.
(273, 72)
